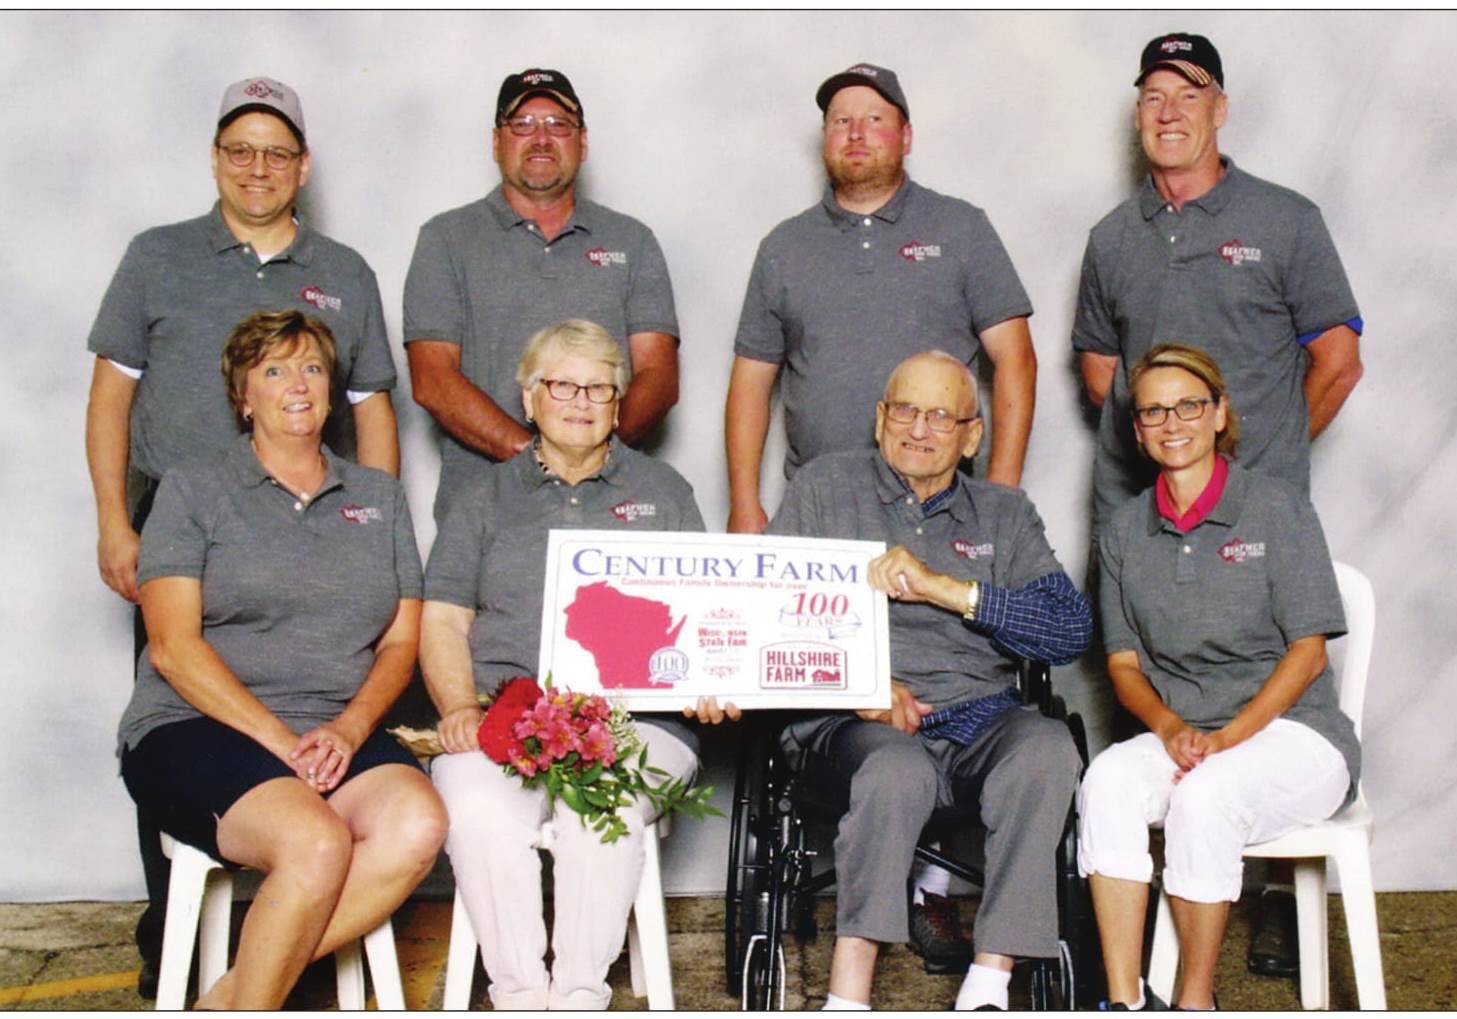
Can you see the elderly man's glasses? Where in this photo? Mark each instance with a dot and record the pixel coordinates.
(936, 420)
(525, 125)
(242, 154)
(564, 390)
(1156, 414)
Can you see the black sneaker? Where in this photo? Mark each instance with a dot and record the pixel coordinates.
(147, 978)
(1275, 946)
(936, 936)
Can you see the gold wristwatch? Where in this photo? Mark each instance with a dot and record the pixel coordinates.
(973, 599)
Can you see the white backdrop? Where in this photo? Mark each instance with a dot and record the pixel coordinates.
(704, 126)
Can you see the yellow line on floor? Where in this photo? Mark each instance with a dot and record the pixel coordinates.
(63, 988)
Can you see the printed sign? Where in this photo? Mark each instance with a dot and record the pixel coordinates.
(660, 618)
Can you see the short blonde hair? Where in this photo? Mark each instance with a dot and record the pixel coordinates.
(258, 336)
(575, 337)
(1198, 363)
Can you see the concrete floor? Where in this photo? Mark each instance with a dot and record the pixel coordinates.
(79, 955)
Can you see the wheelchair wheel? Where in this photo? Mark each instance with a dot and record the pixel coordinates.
(747, 882)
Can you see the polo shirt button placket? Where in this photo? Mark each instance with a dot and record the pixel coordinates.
(866, 266)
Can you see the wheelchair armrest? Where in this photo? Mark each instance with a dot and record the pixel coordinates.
(1034, 683)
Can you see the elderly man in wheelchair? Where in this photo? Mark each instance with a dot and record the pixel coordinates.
(974, 586)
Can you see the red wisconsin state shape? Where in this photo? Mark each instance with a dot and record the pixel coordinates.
(620, 632)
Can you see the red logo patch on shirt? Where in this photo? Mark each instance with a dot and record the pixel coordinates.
(1235, 253)
(1237, 550)
(360, 514)
(629, 511)
(602, 258)
(915, 251)
(967, 550)
(319, 299)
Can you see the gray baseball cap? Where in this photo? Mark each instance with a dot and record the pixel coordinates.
(265, 95)
(880, 79)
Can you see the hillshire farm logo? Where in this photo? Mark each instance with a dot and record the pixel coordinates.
(967, 550)
(1234, 252)
(629, 511)
(360, 514)
(802, 665)
(320, 300)
(1175, 46)
(1237, 550)
(602, 258)
(915, 251)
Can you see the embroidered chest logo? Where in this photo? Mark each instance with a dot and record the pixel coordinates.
(915, 251)
(629, 511)
(602, 258)
(1237, 550)
(360, 514)
(967, 550)
(321, 300)
(1235, 253)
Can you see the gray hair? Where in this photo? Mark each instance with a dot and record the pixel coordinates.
(574, 337)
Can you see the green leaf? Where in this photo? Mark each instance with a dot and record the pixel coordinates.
(572, 797)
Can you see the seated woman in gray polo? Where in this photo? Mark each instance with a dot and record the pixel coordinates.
(1218, 596)
(482, 624)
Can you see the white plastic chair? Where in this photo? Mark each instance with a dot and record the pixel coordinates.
(199, 909)
(1344, 838)
(647, 936)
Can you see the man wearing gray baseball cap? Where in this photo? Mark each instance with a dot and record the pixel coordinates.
(157, 395)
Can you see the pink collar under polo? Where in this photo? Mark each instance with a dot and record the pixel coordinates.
(1208, 499)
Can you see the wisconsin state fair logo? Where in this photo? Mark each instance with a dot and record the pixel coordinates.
(602, 258)
(321, 300)
(1176, 46)
(1234, 252)
(915, 251)
(360, 514)
(1237, 550)
(629, 511)
(967, 550)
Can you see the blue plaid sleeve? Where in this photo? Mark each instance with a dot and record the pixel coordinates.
(1048, 620)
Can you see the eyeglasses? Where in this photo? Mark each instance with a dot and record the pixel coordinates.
(242, 154)
(1156, 414)
(563, 390)
(526, 125)
(936, 420)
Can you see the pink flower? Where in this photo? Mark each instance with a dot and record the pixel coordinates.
(523, 764)
(597, 744)
(558, 739)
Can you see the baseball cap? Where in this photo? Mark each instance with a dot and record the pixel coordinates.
(517, 88)
(265, 95)
(883, 81)
(1193, 56)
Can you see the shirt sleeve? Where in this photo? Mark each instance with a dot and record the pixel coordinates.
(1118, 632)
(761, 328)
(650, 297)
(460, 546)
(119, 333)
(175, 537)
(1304, 594)
(1316, 289)
(994, 292)
(1093, 328)
(373, 369)
(1048, 620)
(407, 553)
(434, 304)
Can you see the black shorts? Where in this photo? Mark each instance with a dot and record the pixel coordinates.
(185, 775)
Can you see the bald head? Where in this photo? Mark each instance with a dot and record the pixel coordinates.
(949, 370)
(927, 423)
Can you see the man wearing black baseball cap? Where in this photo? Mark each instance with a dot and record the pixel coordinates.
(1209, 254)
(488, 275)
(157, 397)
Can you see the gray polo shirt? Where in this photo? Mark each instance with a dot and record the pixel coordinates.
(1242, 271)
(294, 593)
(485, 278)
(841, 298)
(1212, 612)
(490, 553)
(984, 532)
(177, 294)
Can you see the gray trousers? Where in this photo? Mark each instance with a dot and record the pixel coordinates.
(1018, 778)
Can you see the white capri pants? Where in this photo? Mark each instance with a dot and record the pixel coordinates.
(1284, 777)
(495, 832)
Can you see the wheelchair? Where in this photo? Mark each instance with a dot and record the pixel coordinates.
(772, 879)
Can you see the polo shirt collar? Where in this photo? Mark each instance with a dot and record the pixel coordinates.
(532, 476)
(954, 498)
(1225, 512)
(1150, 202)
(221, 239)
(249, 470)
(890, 212)
(507, 217)
(1205, 502)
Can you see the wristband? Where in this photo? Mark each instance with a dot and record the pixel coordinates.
(973, 599)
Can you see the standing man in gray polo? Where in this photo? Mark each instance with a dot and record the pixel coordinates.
(488, 275)
(1210, 255)
(157, 394)
(881, 268)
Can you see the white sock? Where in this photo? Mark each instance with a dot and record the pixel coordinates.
(984, 985)
(1142, 1002)
(835, 1003)
(928, 877)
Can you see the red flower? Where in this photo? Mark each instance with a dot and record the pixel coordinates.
(514, 698)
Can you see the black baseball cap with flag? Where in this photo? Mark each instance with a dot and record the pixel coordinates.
(1193, 56)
